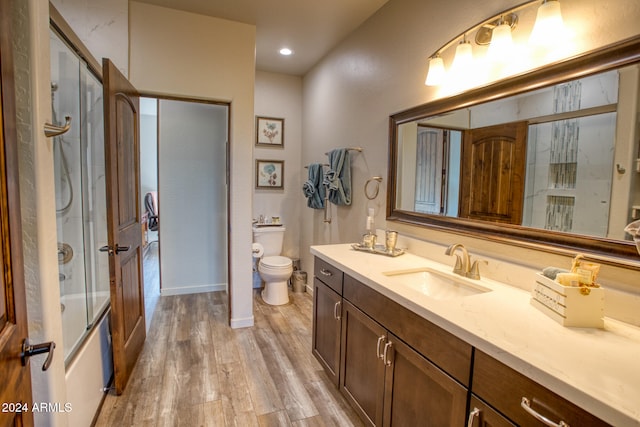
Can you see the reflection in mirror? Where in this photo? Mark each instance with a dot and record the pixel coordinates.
(543, 159)
(547, 159)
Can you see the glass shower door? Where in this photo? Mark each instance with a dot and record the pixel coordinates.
(80, 193)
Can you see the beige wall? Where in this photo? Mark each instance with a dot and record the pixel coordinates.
(380, 69)
(188, 55)
(280, 95)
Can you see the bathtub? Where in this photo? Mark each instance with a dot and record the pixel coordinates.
(89, 366)
(75, 324)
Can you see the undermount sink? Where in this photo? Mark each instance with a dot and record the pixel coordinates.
(435, 284)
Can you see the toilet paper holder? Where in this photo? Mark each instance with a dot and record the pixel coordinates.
(257, 250)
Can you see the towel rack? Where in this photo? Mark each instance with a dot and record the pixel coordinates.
(358, 149)
(327, 218)
(377, 180)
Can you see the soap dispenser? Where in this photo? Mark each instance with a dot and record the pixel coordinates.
(370, 222)
(369, 238)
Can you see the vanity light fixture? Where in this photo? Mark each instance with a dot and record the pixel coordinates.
(496, 33)
(436, 73)
(549, 25)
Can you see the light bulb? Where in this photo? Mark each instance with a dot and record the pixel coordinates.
(501, 43)
(549, 27)
(436, 73)
(463, 59)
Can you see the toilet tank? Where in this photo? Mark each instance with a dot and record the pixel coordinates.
(270, 238)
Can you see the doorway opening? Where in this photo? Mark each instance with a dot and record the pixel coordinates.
(184, 190)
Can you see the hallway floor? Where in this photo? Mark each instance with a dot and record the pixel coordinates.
(151, 268)
(195, 370)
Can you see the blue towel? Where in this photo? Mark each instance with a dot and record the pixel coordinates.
(338, 178)
(313, 189)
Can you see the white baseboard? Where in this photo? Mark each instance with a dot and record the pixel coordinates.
(198, 289)
(242, 323)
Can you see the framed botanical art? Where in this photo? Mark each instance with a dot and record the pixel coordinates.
(270, 132)
(269, 174)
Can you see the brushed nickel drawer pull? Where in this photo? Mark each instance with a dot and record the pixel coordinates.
(526, 405)
(336, 310)
(378, 353)
(387, 346)
(325, 272)
(472, 415)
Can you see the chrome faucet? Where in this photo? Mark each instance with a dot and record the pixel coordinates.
(463, 265)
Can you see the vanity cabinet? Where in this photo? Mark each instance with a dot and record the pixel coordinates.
(383, 375)
(504, 389)
(327, 315)
(397, 368)
(445, 350)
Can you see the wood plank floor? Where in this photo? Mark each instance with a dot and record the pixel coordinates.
(196, 371)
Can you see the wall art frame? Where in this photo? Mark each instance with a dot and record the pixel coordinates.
(269, 132)
(270, 174)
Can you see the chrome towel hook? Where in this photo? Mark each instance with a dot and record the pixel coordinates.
(51, 130)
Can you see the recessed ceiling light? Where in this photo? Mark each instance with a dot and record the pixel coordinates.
(285, 51)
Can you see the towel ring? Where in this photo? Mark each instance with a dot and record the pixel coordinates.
(377, 180)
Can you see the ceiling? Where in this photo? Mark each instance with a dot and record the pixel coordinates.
(310, 28)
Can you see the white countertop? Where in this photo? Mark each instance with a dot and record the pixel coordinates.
(596, 369)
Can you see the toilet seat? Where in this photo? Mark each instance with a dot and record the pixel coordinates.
(276, 262)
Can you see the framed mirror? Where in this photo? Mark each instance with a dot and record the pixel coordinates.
(546, 159)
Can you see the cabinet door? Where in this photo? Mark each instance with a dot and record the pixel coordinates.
(362, 370)
(416, 391)
(326, 328)
(483, 415)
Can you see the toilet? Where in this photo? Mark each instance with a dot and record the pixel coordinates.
(275, 270)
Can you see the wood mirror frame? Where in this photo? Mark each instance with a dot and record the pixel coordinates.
(610, 251)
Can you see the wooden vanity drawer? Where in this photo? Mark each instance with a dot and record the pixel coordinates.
(504, 388)
(448, 352)
(328, 274)
(483, 415)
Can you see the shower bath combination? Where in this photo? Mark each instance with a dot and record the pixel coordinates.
(80, 192)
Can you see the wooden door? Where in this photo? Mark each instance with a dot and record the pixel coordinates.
(493, 170)
(430, 156)
(15, 379)
(362, 370)
(418, 392)
(327, 315)
(122, 147)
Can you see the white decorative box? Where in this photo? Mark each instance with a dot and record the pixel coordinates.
(568, 305)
